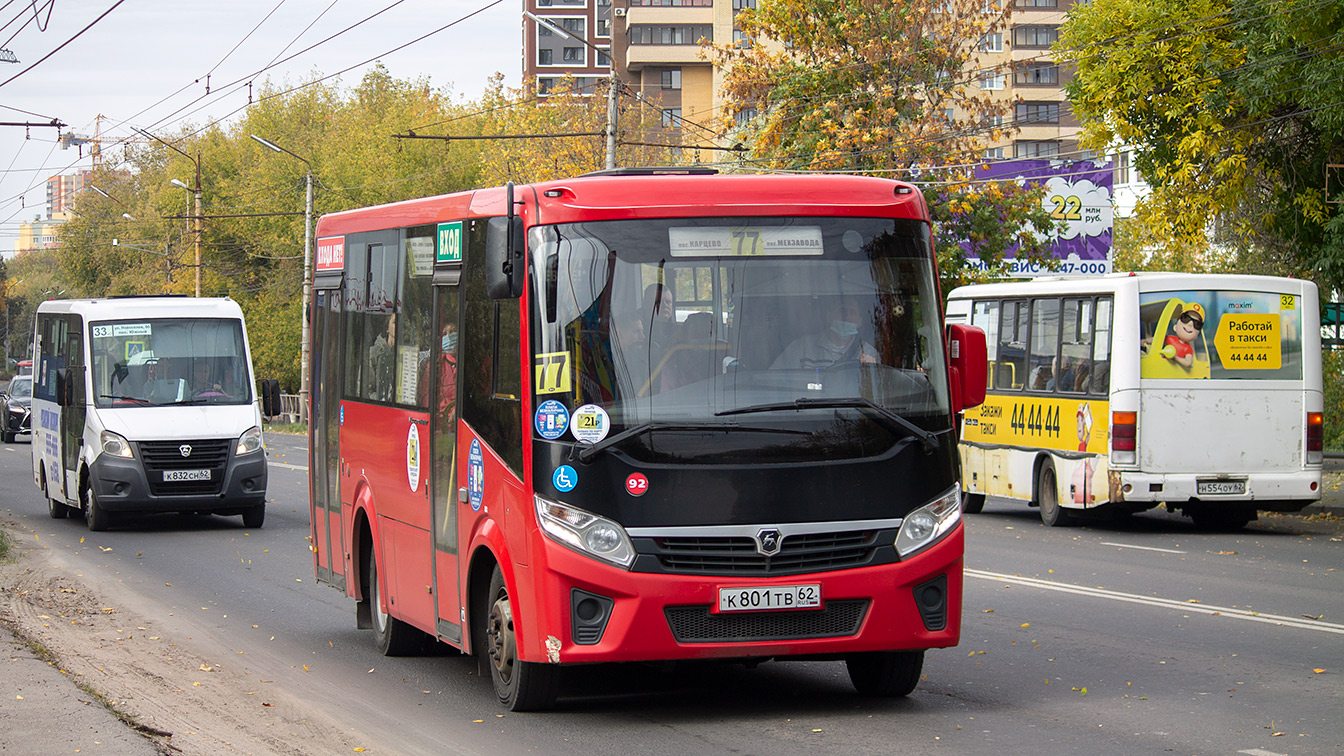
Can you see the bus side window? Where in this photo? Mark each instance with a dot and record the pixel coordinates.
(985, 315)
(1011, 369)
(1101, 349)
(1044, 344)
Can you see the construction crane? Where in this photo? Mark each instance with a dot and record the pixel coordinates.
(68, 139)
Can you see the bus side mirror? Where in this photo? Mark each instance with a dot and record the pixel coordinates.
(968, 359)
(504, 268)
(63, 398)
(270, 397)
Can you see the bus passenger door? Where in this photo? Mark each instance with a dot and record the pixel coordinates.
(443, 447)
(71, 352)
(325, 514)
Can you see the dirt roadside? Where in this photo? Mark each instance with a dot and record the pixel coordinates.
(182, 702)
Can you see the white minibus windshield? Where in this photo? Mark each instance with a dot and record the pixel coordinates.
(162, 361)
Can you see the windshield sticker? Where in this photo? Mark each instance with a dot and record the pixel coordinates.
(782, 241)
(552, 373)
(565, 478)
(590, 424)
(413, 458)
(475, 475)
(552, 420)
(636, 484)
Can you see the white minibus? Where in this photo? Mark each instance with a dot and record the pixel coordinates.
(146, 404)
(1127, 391)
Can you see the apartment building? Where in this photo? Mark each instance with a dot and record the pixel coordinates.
(656, 48)
(61, 191)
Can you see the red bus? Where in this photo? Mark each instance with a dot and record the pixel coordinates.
(638, 416)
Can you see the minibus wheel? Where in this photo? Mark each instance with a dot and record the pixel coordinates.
(254, 517)
(888, 674)
(972, 503)
(392, 636)
(57, 509)
(1047, 497)
(95, 516)
(519, 685)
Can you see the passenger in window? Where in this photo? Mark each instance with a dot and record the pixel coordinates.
(836, 343)
(663, 317)
(382, 362)
(695, 355)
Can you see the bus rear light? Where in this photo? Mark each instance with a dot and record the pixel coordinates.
(1315, 437)
(1124, 437)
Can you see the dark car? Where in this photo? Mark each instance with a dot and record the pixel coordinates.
(18, 407)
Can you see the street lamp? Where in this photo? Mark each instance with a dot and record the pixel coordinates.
(127, 216)
(196, 192)
(305, 338)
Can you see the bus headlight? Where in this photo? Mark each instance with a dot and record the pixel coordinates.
(249, 442)
(585, 532)
(115, 445)
(928, 524)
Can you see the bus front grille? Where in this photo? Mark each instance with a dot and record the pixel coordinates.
(697, 624)
(162, 456)
(737, 555)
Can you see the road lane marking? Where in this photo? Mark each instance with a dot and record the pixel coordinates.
(1260, 752)
(286, 465)
(1145, 548)
(1184, 606)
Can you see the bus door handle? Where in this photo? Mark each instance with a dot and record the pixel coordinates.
(419, 421)
(462, 495)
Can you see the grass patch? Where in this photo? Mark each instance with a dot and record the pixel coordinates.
(6, 543)
(298, 429)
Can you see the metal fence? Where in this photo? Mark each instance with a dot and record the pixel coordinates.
(289, 408)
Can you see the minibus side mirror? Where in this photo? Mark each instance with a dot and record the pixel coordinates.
(504, 266)
(270, 397)
(969, 365)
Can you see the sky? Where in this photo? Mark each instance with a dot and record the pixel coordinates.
(144, 64)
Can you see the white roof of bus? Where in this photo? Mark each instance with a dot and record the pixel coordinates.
(122, 308)
(1115, 281)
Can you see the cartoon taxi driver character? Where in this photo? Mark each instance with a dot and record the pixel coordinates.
(1179, 345)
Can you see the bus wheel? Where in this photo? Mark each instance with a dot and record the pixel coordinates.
(254, 517)
(392, 636)
(97, 518)
(57, 509)
(972, 503)
(888, 674)
(519, 685)
(1047, 498)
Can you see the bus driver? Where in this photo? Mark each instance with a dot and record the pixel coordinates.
(839, 342)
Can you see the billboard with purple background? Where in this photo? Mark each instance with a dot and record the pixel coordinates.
(1078, 193)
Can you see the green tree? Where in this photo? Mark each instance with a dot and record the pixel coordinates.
(1233, 109)
(882, 87)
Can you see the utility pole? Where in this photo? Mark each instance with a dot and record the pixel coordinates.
(612, 86)
(199, 209)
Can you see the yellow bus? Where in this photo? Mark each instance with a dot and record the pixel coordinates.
(1125, 392)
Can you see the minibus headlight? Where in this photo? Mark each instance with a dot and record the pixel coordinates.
(249, 442)
(585, 532)
(928, 524)
(115, 445)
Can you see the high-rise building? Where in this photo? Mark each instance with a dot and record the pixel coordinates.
(61, 192)
(656, 46)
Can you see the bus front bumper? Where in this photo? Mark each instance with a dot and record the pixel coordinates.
(632, 616)
(122, 486)
(1271, 492)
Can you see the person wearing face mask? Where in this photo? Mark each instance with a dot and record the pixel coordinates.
(837, 343)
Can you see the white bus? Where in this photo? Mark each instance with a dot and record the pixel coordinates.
(146, 404)
(1125, 392)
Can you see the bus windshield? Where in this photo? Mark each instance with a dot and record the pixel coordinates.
(154, 362)
(805, 326)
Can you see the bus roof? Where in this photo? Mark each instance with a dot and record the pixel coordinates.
(616, 197)
(1148, 280)
(145, 307)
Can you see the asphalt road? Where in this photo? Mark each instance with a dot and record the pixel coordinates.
(1146, 637)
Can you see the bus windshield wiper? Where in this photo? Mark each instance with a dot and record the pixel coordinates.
(592, 450)
(120, 397)
(884, 415)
